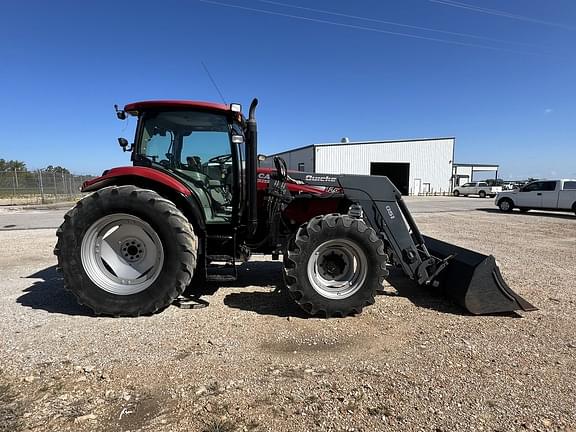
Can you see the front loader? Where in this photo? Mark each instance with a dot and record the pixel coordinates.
(195, 196)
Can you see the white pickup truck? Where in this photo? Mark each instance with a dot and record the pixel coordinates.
(542, 194)
(477, 188)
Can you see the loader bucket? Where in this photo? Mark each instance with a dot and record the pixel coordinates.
(474, 281)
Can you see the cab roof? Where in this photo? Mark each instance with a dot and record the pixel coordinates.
(136, 107)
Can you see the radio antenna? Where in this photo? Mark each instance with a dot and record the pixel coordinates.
(213, 82)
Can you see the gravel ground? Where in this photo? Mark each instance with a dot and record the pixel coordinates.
(252, 361)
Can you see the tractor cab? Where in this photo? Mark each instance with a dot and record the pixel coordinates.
(199, 143)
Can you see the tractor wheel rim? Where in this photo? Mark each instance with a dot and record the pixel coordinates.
(337, 269)
(122, 254)
(505, 205)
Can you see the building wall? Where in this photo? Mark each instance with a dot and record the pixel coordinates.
(430, 160)
(461, 172)
(293, 158)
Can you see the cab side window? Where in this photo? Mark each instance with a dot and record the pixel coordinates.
(532, 187)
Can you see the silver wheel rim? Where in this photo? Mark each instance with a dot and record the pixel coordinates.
(505, 205)
(122, 254)
(337, 269)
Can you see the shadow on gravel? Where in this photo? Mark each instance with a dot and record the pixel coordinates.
(429, 298)
(421, 296)
(535, 213)
(49, 294)
(276, 302)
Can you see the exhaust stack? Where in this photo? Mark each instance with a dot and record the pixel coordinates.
(251, 165)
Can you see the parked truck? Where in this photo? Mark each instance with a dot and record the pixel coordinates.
(477, 188)
(542, 194)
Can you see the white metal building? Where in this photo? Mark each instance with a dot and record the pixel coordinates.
(415, 166)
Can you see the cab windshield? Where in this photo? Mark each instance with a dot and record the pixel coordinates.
(184, 139)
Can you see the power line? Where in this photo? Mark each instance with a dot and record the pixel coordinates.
(393, 23)
(500, 13)
(371, 29)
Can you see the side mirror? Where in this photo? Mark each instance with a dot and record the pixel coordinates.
(121, 114)
(124, 144)
(261, 158)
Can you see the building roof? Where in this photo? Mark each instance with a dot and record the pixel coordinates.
(476, 165)
(339, 144)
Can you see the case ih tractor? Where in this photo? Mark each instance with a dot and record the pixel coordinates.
(195, 196)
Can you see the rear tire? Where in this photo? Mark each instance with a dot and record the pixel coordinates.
(335, 265)
(482, 194)
(506, 205)
(126, 251)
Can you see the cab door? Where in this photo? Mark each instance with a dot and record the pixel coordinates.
(530, 196)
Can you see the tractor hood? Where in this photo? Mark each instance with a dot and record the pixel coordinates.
(302, 182)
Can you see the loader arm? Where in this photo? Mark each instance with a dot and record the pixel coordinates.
(387, 213)
(471, 279)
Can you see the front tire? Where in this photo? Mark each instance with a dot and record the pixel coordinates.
(456, 193)
(505, 205)
(335, 265)
(482, 194)
(126, 251)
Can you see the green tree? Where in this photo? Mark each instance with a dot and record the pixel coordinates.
(12, 165)
(56, 169)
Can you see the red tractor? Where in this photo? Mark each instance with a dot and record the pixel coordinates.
(195, 196)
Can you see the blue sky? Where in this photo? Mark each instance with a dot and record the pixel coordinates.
(504, 86)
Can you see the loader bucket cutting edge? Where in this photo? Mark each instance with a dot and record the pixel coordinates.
(474, 281)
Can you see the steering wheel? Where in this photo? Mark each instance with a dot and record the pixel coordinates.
(220, 159)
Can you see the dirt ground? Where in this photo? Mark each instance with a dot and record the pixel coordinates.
(251, 361)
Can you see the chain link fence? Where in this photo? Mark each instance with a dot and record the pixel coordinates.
(39, 187)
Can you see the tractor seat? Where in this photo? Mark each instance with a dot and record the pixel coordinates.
(213, 189)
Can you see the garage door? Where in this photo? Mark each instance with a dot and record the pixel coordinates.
(397, 172)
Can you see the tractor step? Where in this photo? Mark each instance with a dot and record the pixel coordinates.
(220, 258)
(221, 278)
(226, 272)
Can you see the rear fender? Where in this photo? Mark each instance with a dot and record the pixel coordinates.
(168, 187)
